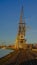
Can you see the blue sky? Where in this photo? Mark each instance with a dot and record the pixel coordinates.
(9, 19)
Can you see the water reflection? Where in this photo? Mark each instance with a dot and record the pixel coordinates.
(4, 52)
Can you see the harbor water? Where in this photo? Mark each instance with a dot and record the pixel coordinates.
(4, 52)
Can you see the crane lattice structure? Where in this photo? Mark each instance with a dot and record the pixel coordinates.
(20, 40)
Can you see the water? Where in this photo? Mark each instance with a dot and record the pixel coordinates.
(4, 52)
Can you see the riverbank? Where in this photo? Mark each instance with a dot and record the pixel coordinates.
(18, 56)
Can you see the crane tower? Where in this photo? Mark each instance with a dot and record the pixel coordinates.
(21, 32)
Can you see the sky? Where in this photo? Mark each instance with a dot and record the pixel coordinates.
(9, 18)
